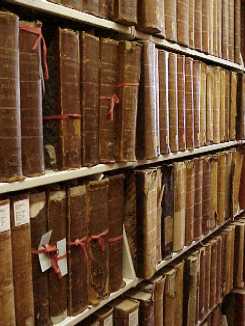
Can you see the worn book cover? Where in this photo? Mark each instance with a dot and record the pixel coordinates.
(210, 106)
(170, 12)
(179, 268)
(206, 31)
(232, 30)
(216, 105)
(197, 66)
(181, 102)
(189, 100)
(124, 12)
(241, 107)
(203, 105)
(183, 22)
(192, 17)
(151, 16)
(198, 31)
(190, 202)
(206, 195)
(170, 299)
(225, 29)
(239, 258)
(198, 198)
(126, 312)
(91, 6)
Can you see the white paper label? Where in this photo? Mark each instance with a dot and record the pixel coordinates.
(21, 212)
(44, 260)
(4, 218)
(62, 263)
(134, 318)
(108, 321)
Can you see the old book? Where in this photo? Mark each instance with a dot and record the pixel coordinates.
(62, 119)
(89, 82)
(211, 26)
(173, 102)
(163, 101)
(216, 105)
(207, 272)
(197, 101)
(150, 16)
(215, 183)
(203, 105)
(56, 215)
(179, 281)
(198, 198)
(125, 12)
(77, 237)
(108, 99)
(231, 242)
(181, 102)
(239, 255)
(98, 195)
(126, 312)
(215, 28)
(182, 22)
(227, 104)
(106, 9)
(198, 24)
(206, 195)
(179, 206)
(228, 236)
(235, 308)
(39, 227)
(219, 294)
(192, 15)
(228, 185)
(190, 202)
(222, 104)
(11, 166)
(219, 27)
(170, 12)
(225, 29)
(103, 317)
(146, 307)
(210, 105)
(167, 210)
(160, 192)
(205, 26)
(237, 164)
(170, 300)
(213, 274)
(147, 201)
(128, 84)
(91, 6)
(232, 30)
(221, 188)
(201, 295)
(21, 255)
(189, 100)
(242, 32)
(31, 106)
(241, 107)
(147, 123)
(7, 301)
(158, 284)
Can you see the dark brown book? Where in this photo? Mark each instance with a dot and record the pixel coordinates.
(189, 100)
(77, 238)
(31, 106)
(62, 119)
(192, 14)
(39, 227)
(202, 285)
(236, 308)
(170, 12)
(89, 81)
(225, 29)
(21, 255)
(182, 22)
(125, 12)
(105, 8)
(150, 16)
(126, 312)
(239, 257)
(205, 25)
(232, 30)
(7, 301)
(198, 166)
(128, 90)
(98, 240)
(170, 300)
(197, 101)
(10, 131)
(242, 31)
(163, 101)
(91, 6)
(206, 195)
(241, 107)
(181, 102)
(198, 25)
(203, 105)
(108, 99)
(179, 280)
(173, 102)
(190, 202)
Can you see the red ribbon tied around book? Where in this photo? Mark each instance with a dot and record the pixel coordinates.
(114, 99)
(62, 116)
(83, 244)
(114, 240)
(37, 30)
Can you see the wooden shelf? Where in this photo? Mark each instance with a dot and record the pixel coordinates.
(130, 32)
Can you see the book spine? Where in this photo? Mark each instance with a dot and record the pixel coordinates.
(241, 107)
(170, 11)
(192, 15)
(189, 103)
(206, 195)
(74, 4)
(233, 105)
(179, 268)
(237, 18)
(183, 22)
(170, 299)
(210, 105)
(207, 277)
(150, 16)
(205, 26)
(203, 105)
(181, 101)
(202, 286)
(221, 188)
(222, 104)
(198, 198)
(213, 274)
(232, 30)
(237, 164)
(227, 104)
(198, 25)
(214, 190)
(211, 26)
(215, 28)
(216, 107)
(225, 29)
(125, 12)
(197, 101)
(219, 26)
(190, 198)
(91, 6)
(159, 286)
(106, 9)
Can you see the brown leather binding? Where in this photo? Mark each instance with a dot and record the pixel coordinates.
(198, 166)
(239, 255)
(216, 105)
(206, 195)
(219, 27)
(183, 22)
(179, 293)
(190, 198)
(205, 26)
(233, 106)
(189, 103)
(219, 294)
(150, 16)
(105, 8)
(75, 4)
(203, 105)
(221, 188)
(216, 190)
(192, 14)
(126, 312)
(225, 29)
(202, 285)
(197, 101)
(91, 6)
(213, 274)
(222, 104)
(198, 24)
(211, 26)
(227, 104)
(207, 272)
(210, 105)
(158, 284)
(170, 12)
(181, 102)
(228, 185)
(241, 107)
(232, 30)
(170, 300)
(125, 12)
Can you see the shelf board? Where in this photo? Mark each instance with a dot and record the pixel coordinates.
(75, 15)
(51, 177)
(71, 321)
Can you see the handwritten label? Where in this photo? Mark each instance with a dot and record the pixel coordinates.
(134, 318)
(44, 260)
(62, 262)
(21, 212)
(4, 218)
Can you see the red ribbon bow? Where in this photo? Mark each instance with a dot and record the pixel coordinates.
(114, 99)
(83, 243)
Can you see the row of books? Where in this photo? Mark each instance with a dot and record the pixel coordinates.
(179, 203)
(213, 27)
(234, 307)
(185, 293)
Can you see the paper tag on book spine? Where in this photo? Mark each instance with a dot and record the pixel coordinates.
(108, 321)
(44, 260)
(62, 262)
(21, 212)
(4, 217)
(133, 319)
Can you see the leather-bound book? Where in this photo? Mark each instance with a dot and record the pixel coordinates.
(202, 285)
(221, 188)
(21, 255)
(239, 257)
(115, 241)
(103, 317)
(89, 81)
(230, 260)
(173, 102)
(216, 105)
(167, 210)
(11, 165)
(206, 195)
(151, 16)
(170, 299)
(233, 105)
(98, 196)
(237, 164)
(205, 26)
(126, 312)
(31, 106)
(7, 305)
(39, 227)
(147, 123)
(219, 27)
(125, 12)
(181, 102)
(241, 107)
(236, 308)
(108, 99)
(197, 101)
(213, 275)
(130, 220)
(207, 272)
(232, 30)
(227, 104)
(242, 31)
(190, 202)
(215, 182)
(192, 15)
(215, 30)
(62, 120)
(163, 101)
(170, 12)
(189, 101)
(146, 307)
(106, 9)
(198, 197)
(225, 265)
(228, 185)
(219, 294)
(210, 105)
(91, 6)
(158, 284)
(160, 192)
(147, 200)
(183, 22)
(225, 29)
(77, 236)
(179, 281)
(56, 215)
(222, 104)
(198, 24)
(126, 117)
(203, 105)
(211, 26)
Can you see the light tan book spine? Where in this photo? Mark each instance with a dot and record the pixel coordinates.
(203, 105)
(170, 299)
(233, 106)
(216, 106)
(232, 30)
(225, 29)
(227, 104)
(210, 103)
(222, 104)
(198, 29)
(205, 26)
(192, 23)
